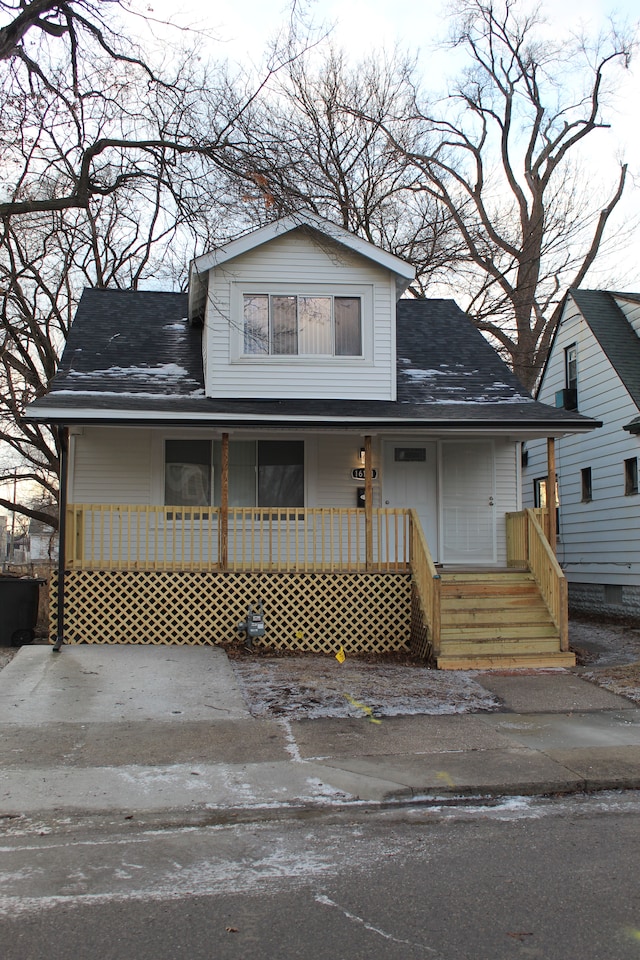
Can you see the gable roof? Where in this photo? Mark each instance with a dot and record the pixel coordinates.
(132, 357)
(614, 333)
(313, 225)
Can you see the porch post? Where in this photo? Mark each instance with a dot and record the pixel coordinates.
(63, 453)
(224, 504)
(368, 504)
(551, 492)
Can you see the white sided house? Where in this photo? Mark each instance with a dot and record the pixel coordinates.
(594, 368)
(294, 433)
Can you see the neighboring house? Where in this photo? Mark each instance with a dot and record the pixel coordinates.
(43, 541)
(294, 433)
(594, 368)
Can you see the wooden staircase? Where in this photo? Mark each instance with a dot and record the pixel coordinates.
(496, 619)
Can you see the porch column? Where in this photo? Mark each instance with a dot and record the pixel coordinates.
(551, 492)
(224, 504)
(368, 504)
(63, 453)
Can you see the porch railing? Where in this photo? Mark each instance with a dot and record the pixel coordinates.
(527, 544)
(427, 582)
(132, 537)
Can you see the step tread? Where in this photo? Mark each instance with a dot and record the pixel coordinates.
(506, 662)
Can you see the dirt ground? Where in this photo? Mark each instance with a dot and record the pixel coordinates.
(296, 687)
(608, 653)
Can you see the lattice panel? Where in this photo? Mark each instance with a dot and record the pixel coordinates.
(420, 642)
(365, 613)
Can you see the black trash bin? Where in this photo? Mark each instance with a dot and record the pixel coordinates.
(19, 598)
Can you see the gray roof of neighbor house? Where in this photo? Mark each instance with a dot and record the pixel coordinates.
(133, 357)
(614, 333)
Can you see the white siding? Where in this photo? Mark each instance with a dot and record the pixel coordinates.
(111, 465)
(297, 260)
(598, 541)
(331, 484)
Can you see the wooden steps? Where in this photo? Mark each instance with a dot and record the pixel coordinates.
(496, 620)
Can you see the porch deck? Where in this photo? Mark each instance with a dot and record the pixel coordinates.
(328, 578)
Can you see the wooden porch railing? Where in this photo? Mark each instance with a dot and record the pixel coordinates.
(132, 537)
(527, 544)
(427, 581)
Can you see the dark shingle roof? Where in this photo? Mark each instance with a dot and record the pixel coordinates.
(614, 333)
(133, 354)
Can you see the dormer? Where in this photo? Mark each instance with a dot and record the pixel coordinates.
(299, 308)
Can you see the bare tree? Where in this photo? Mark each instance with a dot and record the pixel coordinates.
(505, 167)
(318, 141)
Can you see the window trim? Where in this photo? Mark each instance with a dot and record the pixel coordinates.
(362, 291)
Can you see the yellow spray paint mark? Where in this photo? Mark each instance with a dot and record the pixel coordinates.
(365, 709)
(633, 933)
(341, 656)
(444, 776)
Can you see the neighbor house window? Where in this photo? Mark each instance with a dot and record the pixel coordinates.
(571, 367)
(631, 476)
(297, 325)
(587, 488)
(263, 473)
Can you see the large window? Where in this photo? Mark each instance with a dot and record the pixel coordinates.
(297, 325)
(264, 473)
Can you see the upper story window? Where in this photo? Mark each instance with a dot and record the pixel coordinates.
(302, 325)
(571, 367)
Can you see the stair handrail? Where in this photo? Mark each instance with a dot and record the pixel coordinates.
(549, 576)
(426, 579)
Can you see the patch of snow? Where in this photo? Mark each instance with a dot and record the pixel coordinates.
(139, 394)
(417, 374)
(164, 371)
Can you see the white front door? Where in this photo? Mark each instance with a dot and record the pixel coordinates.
(468, 497)
(410, 479)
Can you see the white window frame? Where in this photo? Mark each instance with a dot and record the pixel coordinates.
(364, 292)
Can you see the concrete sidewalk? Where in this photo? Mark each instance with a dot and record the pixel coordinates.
(136, 731)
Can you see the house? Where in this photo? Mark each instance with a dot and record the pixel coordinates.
(43, 541)
(594, 368)
(295, 433)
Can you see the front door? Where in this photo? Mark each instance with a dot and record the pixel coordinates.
(468, 497)
(411, 480)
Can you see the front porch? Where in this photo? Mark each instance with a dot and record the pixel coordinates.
(361, 579)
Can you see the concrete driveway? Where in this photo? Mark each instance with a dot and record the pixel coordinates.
(105, 684)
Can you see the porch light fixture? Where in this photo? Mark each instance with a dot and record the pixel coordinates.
(361, 455)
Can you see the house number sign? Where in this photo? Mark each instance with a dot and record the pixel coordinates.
(358, 473)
